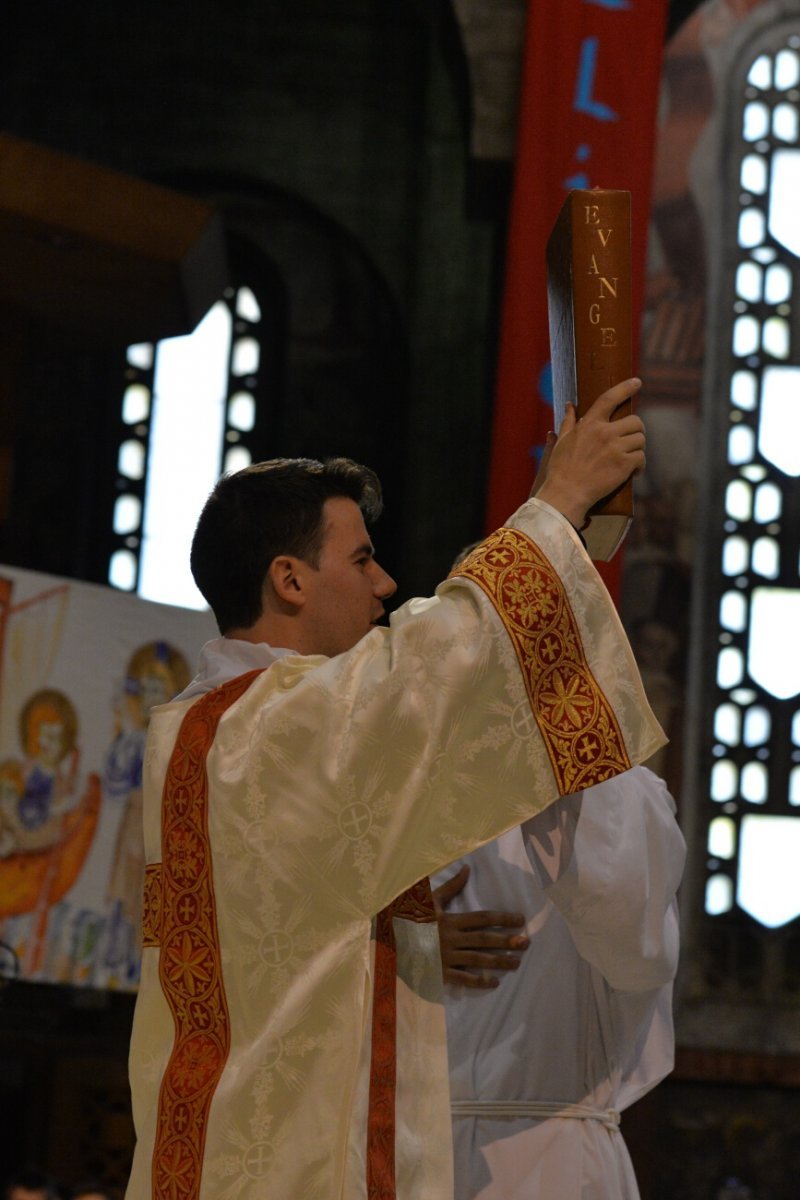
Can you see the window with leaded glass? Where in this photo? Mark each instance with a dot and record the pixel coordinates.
(748, 739)
(188, 412)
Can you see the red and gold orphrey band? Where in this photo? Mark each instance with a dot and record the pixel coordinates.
(578, 726)
(416, 904)
(151, 915)
(180, 916)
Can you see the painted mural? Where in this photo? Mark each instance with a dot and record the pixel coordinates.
(80, 668)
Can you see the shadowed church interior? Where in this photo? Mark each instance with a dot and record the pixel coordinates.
(325, 187)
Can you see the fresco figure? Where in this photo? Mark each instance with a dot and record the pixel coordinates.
(46, 827)
(155, 673)
(48, 728)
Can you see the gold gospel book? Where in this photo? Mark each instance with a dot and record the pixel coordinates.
(590, 315)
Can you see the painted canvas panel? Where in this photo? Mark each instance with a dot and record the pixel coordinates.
(80, 668)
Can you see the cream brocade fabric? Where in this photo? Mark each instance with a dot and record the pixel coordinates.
(336, 784)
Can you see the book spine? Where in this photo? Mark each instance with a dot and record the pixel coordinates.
(601, 270)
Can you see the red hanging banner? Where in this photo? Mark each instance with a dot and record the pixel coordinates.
(587, 118)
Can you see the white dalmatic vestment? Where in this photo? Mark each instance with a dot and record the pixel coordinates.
(286, 811)
(541, 1066)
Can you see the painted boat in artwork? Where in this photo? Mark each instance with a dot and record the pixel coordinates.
(32, 879)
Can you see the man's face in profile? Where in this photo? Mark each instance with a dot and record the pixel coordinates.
(347, 591)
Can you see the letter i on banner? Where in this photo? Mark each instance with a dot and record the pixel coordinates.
(587, 118)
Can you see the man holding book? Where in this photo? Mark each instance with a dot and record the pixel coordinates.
(289, 1035)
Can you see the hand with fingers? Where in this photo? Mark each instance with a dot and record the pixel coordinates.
(593, 456)
(476, 944)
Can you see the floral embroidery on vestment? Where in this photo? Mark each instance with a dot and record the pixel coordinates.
(415, 904)
(151, 915)
(578, 726)
(189, 964)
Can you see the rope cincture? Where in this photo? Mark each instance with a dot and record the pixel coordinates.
(536, 1110)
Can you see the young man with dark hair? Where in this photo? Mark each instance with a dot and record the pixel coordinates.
(269, 509)
(289, 1034)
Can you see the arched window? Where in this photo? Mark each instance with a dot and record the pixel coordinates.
(748, 714)
(317, 366)
(188, 412)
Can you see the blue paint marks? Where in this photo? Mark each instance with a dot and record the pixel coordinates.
(581, 179)
(587, 68)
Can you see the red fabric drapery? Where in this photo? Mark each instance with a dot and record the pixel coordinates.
(587, 118)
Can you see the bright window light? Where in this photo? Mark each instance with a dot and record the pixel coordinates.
(783, 224)
(760, 74)
(733, 611)
(136, 404)
(242, 411)
(754, 174)
(756, 122)
(743, 390)
(739, 500)
(768, 886)
(190, 385)
(719, 895)
(724, 781)
(757, 726)
(773, 655)
(247, 306)
(122, 570)
(741, 445)
(779, 425)
(127, 514)
(787, 69)
(730, 667)
(722, 838)
(728, 724)
(769, 502)
(141, 355)
(131, 459)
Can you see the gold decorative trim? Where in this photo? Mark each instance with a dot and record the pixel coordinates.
(151, 915)
(190, 963)
(577, 723)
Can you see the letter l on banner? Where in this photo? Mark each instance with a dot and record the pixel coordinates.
(587, 118)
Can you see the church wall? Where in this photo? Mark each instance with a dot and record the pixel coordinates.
(348, 109)
(332, 135)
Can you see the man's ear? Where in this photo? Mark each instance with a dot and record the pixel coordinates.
(285, 577)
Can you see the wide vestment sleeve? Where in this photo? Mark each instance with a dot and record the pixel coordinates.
(514, 685)
(610, 859)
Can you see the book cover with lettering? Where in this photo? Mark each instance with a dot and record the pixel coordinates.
(589, 307)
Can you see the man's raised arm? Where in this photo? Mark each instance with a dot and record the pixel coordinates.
(592, 456)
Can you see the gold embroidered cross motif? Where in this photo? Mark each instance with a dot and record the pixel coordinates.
(576, 721)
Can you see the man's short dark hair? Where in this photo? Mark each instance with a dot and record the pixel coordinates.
(268, 509)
